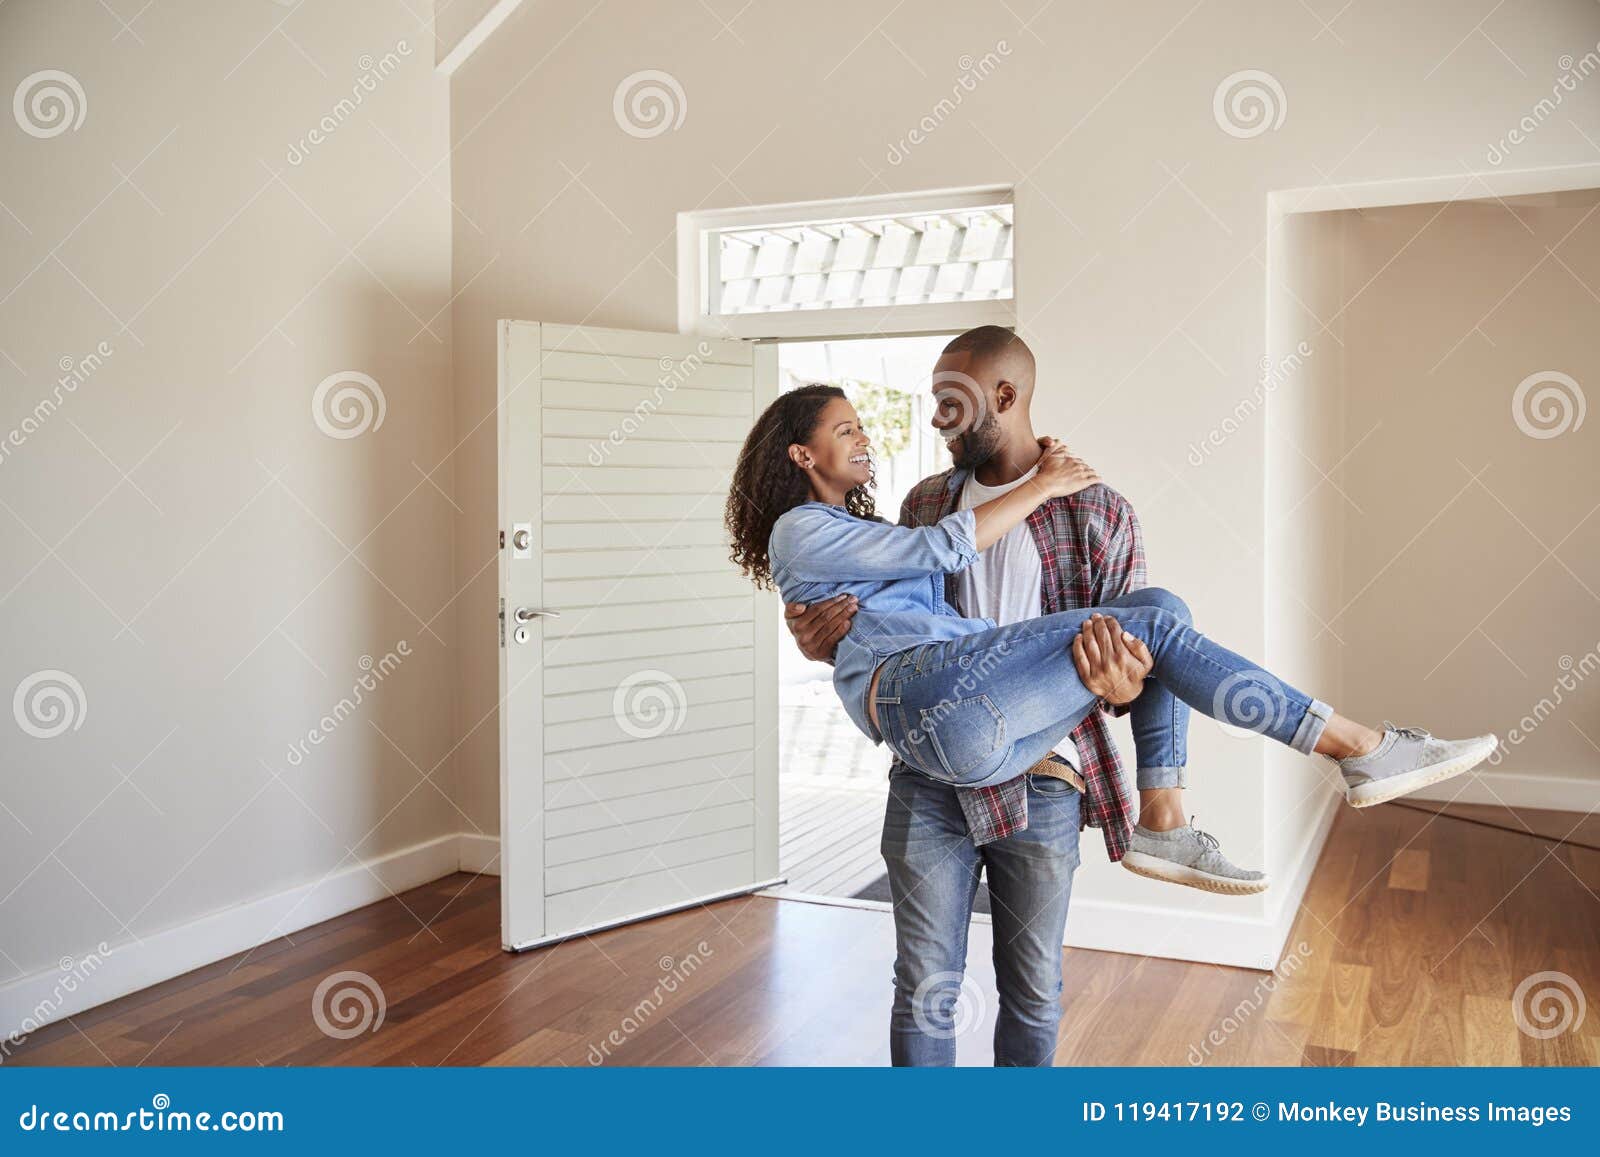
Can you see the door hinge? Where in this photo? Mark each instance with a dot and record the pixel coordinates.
(502, 617)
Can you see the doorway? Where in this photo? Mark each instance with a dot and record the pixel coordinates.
(832, 780)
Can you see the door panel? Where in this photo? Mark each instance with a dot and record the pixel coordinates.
(648, 752)
(621, 370)
(613, 838)
(604, 786)
(636, 507)
(644, 480)
(602, 396)
(603, 815)
(650, 893)
(601, 704)
(607, 676)
(638, 728)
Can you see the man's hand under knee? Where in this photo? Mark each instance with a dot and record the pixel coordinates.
(1112, 663)
(818, 628)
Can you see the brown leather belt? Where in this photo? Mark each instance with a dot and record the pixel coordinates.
(1058, 769)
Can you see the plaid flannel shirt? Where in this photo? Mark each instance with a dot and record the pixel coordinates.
(1090, 550)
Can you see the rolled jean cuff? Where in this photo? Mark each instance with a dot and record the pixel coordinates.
(1311, 727)
(1151, 778)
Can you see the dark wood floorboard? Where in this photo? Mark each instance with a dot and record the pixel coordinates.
(1409, 948)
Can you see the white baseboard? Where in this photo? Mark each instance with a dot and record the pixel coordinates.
(478, 854)
(1174, 934)
(1283, 916)
(1528, 789)
(26, 1004)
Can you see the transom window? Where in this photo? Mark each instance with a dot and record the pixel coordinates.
(867, 261)
(874, 264)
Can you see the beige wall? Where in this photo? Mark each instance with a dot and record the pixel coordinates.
(173, 533)
(1142, 227)
(206, 604)
(454, 19)
(1472, 566)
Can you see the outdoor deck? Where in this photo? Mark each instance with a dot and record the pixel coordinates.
(828, 836)
(832, 786)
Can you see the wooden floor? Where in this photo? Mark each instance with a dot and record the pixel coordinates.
(1416, 934)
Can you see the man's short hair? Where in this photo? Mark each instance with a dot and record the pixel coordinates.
(989, 342)
(985, 341)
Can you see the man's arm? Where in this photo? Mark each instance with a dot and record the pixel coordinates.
(1121, 570)
(817, 628)
(1111, 662)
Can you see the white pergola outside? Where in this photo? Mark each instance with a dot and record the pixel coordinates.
(871, 265)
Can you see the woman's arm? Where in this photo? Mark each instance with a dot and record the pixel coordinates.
(813, 545)
(999, 516)
(1057, 475)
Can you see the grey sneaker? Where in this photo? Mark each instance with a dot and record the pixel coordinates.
(1191, 857)
(1408, 758)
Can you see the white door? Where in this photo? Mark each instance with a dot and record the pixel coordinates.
(638, 686)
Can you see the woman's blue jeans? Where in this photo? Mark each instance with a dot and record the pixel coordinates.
(985, 708)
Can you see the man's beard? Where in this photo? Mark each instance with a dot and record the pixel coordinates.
(978, 445)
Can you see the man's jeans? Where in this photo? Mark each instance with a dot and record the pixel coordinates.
(984, 708)
(933, 878)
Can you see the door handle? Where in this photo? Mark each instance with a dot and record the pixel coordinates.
(528, 614)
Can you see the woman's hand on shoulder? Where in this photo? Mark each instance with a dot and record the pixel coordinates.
(1061, 473)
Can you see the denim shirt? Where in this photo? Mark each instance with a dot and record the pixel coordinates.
(896, 574)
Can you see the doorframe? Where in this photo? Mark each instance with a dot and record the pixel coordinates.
(1268, 934)
(767, 388)
(1447, 187)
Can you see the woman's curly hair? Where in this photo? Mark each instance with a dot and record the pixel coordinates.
(766, 484)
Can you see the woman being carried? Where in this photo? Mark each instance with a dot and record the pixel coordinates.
(972, 704)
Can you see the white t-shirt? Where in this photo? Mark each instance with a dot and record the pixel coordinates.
(1007, 580)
